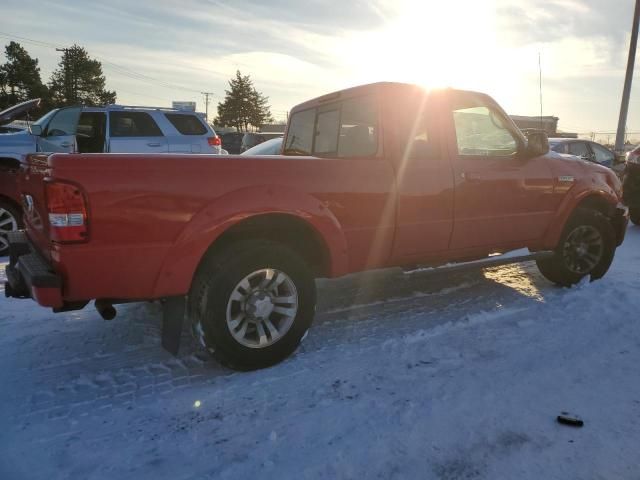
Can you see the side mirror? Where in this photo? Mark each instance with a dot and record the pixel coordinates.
(537, 144)
(35, 130)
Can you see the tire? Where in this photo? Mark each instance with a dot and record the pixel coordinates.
(586, 248)
(10, 221)
(634, 215)
(227, 307)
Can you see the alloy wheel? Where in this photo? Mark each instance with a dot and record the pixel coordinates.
(583, 249)
(262, 308)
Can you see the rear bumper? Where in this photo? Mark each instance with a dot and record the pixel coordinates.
(31, 276)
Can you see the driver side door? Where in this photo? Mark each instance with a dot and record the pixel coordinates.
(60, 132)
(501, 198)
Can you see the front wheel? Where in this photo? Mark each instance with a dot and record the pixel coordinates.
(586, 248)
(251, 304)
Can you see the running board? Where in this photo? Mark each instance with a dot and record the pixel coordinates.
(494, 261)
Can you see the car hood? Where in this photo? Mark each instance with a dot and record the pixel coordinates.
(17, 142)
(10, 114)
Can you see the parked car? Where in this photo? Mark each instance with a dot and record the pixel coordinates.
(631, 184)
(374, 176)
(10, 129)
(251, 139)
(270, 147)
(115, 129)
(232, 142)
(585, 149)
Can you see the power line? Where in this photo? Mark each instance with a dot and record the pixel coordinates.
(118, 68)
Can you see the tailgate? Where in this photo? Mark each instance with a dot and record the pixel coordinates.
(33, 170)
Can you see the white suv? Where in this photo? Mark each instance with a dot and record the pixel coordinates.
(116, 129)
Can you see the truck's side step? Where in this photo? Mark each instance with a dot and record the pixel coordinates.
(495, 261)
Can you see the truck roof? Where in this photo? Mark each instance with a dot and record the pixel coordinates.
(388, 87)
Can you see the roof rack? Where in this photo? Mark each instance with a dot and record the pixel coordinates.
(140, 107)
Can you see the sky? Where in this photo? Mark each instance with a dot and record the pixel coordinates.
(154, 52)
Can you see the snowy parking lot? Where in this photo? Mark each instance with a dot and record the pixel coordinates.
(404, 375)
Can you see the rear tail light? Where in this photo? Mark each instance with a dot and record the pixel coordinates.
(214, 141)
(67, 211)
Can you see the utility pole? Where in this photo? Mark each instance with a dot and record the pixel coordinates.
(626, 92)
(206, 103)
(69, 78)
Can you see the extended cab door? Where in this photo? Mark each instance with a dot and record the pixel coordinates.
(502, 198)
(60, 133)
(135, 132)
(424, 177)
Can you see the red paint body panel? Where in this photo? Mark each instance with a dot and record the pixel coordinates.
(151, 218)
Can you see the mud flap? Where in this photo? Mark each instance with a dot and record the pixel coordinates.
(173, 311)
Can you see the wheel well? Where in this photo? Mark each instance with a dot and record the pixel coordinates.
(8, 163)
(286, 229)
(597, 203)
(10, 201)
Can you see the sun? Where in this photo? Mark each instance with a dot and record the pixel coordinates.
(435, 44)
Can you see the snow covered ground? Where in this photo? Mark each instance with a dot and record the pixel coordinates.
(403, 376)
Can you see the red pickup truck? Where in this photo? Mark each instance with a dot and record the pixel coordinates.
(374, 176)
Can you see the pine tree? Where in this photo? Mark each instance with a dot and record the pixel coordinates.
(243, 106)
(79, 80)
(19, 77)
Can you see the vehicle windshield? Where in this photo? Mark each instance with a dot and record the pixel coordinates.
(270, 147)
(43, 120)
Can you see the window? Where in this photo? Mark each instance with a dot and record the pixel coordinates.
(559, 147)
(186, 124)
(481, 131)
(358, 128)
(64, 122)
(343, 129)
(300, 136)
(579, 149)
(602, 154)
(133, 124)
(327, 132)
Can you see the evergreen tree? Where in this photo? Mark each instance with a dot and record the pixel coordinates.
(19, 77)
(243, 105)
(79, 80)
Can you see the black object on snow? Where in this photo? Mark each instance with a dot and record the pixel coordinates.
(568, 419)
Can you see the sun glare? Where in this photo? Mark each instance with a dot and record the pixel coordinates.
(434, 44)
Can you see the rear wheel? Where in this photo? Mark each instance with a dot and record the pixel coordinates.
(586, 248)
(10, 221)
(251, 305)
(634, 215)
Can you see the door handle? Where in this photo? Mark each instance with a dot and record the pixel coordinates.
(154, 144)
(471, 177)
(65, 144)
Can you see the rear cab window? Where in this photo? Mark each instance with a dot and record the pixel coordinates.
(186, 124)
(342, 129)
(133, 124)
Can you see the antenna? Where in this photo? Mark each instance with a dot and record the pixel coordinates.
(540, 86)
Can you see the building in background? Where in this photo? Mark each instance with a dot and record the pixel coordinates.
(186, 106)
(547, 123)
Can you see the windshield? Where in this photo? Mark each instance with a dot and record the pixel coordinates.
(44, 120)
(270, 147)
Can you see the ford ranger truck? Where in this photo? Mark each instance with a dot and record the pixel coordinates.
(374, 176)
